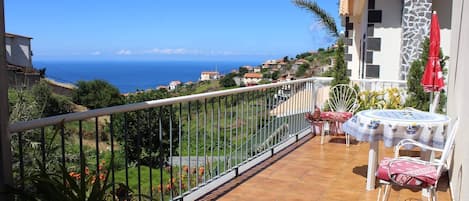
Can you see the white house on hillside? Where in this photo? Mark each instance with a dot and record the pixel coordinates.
(383, 37)
(174, 84)
(252, 79)
(209, 75)
(18, 50)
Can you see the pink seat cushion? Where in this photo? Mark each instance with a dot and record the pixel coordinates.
(336, 116)
(407, 173)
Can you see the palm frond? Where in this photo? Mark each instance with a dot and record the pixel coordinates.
(325, 18)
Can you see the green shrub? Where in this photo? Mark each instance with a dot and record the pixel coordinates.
(416, 97)
(96, 94)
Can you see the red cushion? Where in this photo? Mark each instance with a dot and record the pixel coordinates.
(405, 172)
(336, 116)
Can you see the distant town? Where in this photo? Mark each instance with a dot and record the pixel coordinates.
(313, 63)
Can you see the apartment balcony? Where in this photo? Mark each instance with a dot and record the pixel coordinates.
(248, 143)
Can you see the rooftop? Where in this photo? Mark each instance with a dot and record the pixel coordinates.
(253, 75)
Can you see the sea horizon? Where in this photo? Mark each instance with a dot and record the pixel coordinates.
(130, 76)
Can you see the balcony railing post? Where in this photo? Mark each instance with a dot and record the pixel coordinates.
(6, 177)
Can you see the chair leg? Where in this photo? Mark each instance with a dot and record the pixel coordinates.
(433, 194)
(322, 135)
(347, 139)
(386, 192)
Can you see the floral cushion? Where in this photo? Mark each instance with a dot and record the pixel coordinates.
(336, 116)
(408, 173)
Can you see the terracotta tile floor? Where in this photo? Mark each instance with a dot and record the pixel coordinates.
(311, 171)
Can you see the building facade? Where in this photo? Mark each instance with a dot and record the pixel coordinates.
(209, 75)
(252, 79)
(19, 61)
(383, 37)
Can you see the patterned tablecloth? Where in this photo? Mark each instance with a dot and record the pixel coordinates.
(391, 126)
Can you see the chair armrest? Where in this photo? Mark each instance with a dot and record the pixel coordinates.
(423, 162)
(405, 142)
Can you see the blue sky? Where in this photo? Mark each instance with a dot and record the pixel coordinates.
(166, 29)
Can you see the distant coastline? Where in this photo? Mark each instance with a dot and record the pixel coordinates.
(129, 76)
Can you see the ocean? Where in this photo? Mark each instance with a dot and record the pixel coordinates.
(128, 76)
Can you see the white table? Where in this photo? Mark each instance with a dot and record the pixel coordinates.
(391, 126)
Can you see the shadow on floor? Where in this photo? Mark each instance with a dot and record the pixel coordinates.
(341, 140)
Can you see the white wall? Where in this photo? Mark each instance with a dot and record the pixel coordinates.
(458, 94)
(18, 51)
(443, 9)
(390, 33)
(359, 29)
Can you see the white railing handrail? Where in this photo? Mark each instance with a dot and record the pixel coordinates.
(379, 80)
(54, 120)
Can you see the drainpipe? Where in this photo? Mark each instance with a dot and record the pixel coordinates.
(6, 176)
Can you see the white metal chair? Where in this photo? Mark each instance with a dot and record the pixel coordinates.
(342, 98)
(415, 175)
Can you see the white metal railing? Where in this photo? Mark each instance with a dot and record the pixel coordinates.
(378, 84)
(197, 140)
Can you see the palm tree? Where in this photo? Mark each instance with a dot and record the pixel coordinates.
(325, 18)
(340, 69)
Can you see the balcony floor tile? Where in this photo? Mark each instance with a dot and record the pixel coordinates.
(313, 171)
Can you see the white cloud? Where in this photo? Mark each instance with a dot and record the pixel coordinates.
(316, 26)
(124, 52)
(96, 53)
(167, 51)
(176, 51)
(320, 35)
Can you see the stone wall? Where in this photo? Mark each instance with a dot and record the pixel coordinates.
(416, 17)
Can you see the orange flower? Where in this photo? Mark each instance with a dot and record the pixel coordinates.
(103, 161)
(100, 167)
(185, 168)
(168, 187)
(159, 188)
(93, 179)
(173, 180)
(102, 177)
(77, 176)
(87, 170)
(201, 171)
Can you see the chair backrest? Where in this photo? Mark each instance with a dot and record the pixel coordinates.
(343, 98)
(449, 144)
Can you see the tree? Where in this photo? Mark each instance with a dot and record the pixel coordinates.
(242, 71)
(323, 17)
(416, 97)
(302, 70)
(275, 75)
(227, 80)
(340, 69)
(303, 55)
(50, 104)
(139, 131)
(96, 94)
